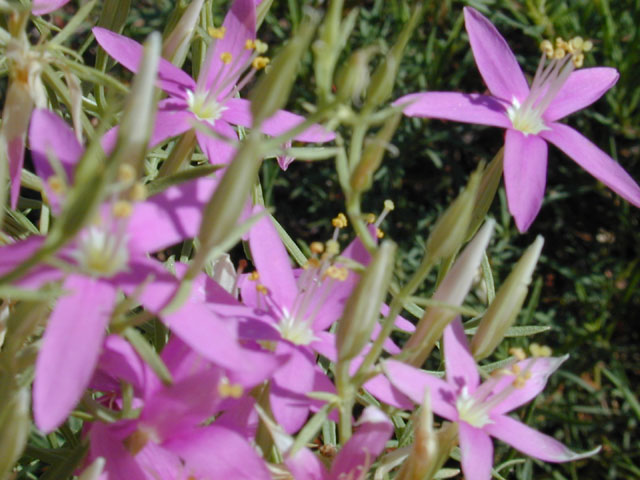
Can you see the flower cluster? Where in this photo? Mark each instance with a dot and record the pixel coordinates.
(196, 367)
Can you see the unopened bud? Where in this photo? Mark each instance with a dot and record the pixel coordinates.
(93, 471)
(505, 307)
(363, 307)
(176, 46)
(450, 231)
(353, 78)
(15, 426)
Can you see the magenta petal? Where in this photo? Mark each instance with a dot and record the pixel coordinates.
(272, 263)
(119, 361)
(16, 253)
(594, 161)
(218, 452)
(306, 465)
(582, 88)
(460, 365)
(70, 349)
(169, 217)
(476, 450)
(40, 7)
(539, 369)
(239, 113)
(172, 119)
(531, 442)
(119, 462)
(364, 446)
(381, 388)
(460, 107)
(525, 176)
(218, 150)
(414, 383)
(128, 52)
(495, 60)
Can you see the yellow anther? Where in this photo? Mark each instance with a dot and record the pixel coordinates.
(578, 60)
(560, 43)
(332, 248)
(217, 32)
(312, 263)
(230, 390)
(379, 233)
(343, 274)
(331, 271)
(135, 442)
(547, 47)
(527, 375)
(262, 289)
(576, 44)
(253, 276)
(260, 62)
(518, 353)
(226, 57)
(516, 369)
(587, 45)
(539, 350)
(559, 53)
(261, 47)
(56, 184)
(340, 221)
(126, 173)
(519, 382)
(317, 247)
(389, 205)
(370, 218)
(122, 209)
(138, 192)
(249, 44)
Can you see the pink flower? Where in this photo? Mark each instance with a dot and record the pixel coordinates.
(40, 7)
(481, 409)
(530, 115)
(211, 101)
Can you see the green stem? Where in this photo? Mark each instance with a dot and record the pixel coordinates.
(346, 392)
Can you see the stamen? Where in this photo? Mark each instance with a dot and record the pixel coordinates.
(540, 350)
(217, 33)
(259, 63)
(379, 233)
(122, 209)
(518, 353)
(138, 192)
(57, 184)
(389, 206)
(253, 276)
(126, 173)
(226, 57)
(340, 221)
(230, 390)
(317, 248)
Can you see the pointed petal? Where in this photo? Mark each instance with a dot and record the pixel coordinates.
(240, 25)
(119, 462)
(172, 119)
(170, 216)
(128, 52)
(218, 150)
(368, 441)
(70, 349)
(476, 452)
(582, 88)
(382, 388)
(525, 176)
(460, 365)
(272, 262)
(459, 107)
(594, 161)
(16, 253)
(239, 113)
(539, 369)
(413, 382)
(531, 442)
(40, 7)
(233, 457)
(119, 361)
(305, 465)
(495, 60)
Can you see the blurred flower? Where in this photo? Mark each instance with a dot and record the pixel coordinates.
(529, 114)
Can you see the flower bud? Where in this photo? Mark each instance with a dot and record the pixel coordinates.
(421, 461)
(505, 307)
(272, 91)
(353, 78)
(486, 192)
(176, 45)
(93, 471)
(15, 426)
(452, 291)
(372, 155)
(450, 231)
(363, 307)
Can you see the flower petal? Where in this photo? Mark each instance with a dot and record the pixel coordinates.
(525, 176)
(218, 150)
(40, 7)
(119, 361)
(531, 442)
(128, 52)
(368, 441)
(119, 462)
(495, 60)
(239, 113)
(594, 161)
(459, 107)
(582, 88)
(460, 365)
(476, 452)
(172, 119)
(413, 382)
(70, 349)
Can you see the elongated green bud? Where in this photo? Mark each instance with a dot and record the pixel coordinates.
(176, 45)
(385, 75)
(363, 307)
(504, 309)
(94, 470)
(353, 78)
(372, 156)
(15, 426)
(327, 47)
(450, 231)
(486, 192)
(272, 91)
(261, 11)
(452, 291)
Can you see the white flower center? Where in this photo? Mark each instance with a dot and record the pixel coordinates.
(527, 120)
(470, 411)
(102, 254)
(203, 107)
(296, 331)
